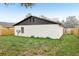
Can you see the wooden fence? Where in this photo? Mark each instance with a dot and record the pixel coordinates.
(74, 31)
(7, 31)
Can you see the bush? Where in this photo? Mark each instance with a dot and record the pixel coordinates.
(32, 36)
(48, 38)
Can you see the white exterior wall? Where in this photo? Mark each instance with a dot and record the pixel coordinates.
(54, 31)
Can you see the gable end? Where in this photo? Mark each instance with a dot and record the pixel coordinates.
(33, 20)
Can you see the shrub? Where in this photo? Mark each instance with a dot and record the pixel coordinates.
(48, 38)
(32, 36)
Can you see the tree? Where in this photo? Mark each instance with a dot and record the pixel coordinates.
(22, 4)
(29, 14)
(71, 22)
(42, 16)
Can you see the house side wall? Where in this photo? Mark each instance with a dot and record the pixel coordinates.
(54, 31)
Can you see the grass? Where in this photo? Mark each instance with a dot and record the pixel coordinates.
(68, 45)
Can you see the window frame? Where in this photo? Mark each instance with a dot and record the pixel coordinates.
(22, 29)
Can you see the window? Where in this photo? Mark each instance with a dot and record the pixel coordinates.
(33, 19)
(30, 20)
(22, 29)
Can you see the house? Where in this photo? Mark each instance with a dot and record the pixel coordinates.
(6, 28)
(38, 27)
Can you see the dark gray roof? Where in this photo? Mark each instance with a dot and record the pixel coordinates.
(46, 20)
(6, 24)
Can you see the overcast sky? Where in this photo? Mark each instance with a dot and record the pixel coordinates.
(15, 13)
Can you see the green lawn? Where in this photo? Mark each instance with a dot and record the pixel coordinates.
(13, 45)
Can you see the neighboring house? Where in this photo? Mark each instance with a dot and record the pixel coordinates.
(38, 27)
(6, 28)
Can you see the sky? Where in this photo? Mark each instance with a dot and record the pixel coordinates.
(16, 13)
